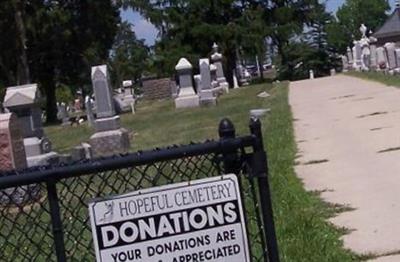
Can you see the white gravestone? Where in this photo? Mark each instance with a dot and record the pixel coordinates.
(186, 95)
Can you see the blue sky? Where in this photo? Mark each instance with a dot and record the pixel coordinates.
(145, 30)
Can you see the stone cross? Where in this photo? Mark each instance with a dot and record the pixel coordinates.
(102, 92)
(12, 151)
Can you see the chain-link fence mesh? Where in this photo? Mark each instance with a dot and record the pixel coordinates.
(25, 222)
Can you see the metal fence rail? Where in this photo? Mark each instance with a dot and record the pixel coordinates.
(44, 214)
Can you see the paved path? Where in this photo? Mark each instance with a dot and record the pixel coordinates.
(348, 136)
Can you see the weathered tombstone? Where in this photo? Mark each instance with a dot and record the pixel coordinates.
(12, 150)
(381, 58)
(357, 51)
(397, 55)
(213, 73)
(13, 157)
(242, 76)
(24, 101)
(186, 96)
(391, 56)
(333, 72)
(206, 89)
(216, 59)
(311, 74)
(345, 63)
(235, 80)
(89, 110)
(62, 114)
(110, 138)
(125, 100)
(197, 83)
(350, 56)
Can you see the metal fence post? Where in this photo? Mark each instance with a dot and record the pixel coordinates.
(227, 131)
(260, 171)
(56, 221)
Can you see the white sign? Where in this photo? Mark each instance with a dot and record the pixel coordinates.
(186, 222)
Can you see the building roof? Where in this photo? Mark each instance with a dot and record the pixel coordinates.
(391, 26)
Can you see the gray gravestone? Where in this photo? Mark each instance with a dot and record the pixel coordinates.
(381, 58)
(350, 56)
(89, 111)
(24, 101)
(102, 92)
(216, 59)
(206, 93)
(391, 55)
(345, 63)
(110, 138)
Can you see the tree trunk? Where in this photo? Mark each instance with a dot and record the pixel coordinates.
(23, 74)
(230, 65)
(51, 100)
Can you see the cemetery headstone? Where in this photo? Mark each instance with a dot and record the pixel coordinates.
(206, 89)
(89, 110)
(110, 138)
(186, 96)
(391, 56)
(350, 56)
(216, 59)
(357, 51)
(13, 157)
(125, 99)
(381, 58)
(24, 101)
(12, 150)
(345, 63)
(235, 80)
(311, 74)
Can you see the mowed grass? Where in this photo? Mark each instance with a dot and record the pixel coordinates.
(377, 77)
(300, 217)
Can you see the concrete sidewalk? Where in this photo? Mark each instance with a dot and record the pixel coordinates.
(348, 137)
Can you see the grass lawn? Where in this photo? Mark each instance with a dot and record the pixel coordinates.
(300, 216)
(378, 77)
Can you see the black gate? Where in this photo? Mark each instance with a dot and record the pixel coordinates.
(44, 213)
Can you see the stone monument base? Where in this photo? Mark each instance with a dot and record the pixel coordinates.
(111, 142)
(208, 98)
(43, 159)
(187, 101)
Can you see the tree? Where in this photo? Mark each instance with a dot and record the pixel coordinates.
(350, 16)
(128, 55)
(189, 28)
(65, 38)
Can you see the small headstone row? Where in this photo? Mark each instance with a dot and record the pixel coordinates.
(365, 55)
(208, 85)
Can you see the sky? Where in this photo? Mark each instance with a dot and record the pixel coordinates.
(145, 30)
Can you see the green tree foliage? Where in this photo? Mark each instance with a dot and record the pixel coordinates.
(351, 15)
(62, 40)
(189, 28)
(128, 55)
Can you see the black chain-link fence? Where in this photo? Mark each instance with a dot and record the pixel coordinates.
(40, 208)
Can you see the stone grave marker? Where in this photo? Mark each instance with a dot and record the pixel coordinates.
(186, 95)
(110, 138)
(24, 101)
(206, 91)
(216, 59)
(391, 55)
